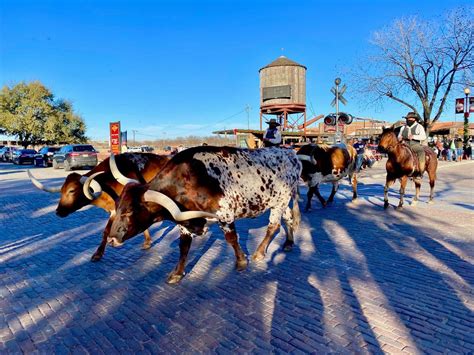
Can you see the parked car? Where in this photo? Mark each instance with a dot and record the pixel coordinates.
(75, 156)
(7, 153)
(47, 154)
(22, 156)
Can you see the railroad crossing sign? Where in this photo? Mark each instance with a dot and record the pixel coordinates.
(338, 95)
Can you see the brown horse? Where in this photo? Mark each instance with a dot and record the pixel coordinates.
(403, 163)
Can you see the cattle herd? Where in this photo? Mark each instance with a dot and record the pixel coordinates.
(204, 185)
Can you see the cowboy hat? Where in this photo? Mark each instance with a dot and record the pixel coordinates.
(412, 115)
(273, 121)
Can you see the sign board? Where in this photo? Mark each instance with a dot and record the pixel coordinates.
(329, 128)
(459, 105)
(115, 137)
(276, 92)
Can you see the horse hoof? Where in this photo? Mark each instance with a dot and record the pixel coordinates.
(258, 257)
(146, 246)
(96, 257)
(174, 279)
(241, 265)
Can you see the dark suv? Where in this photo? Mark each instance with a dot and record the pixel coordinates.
(75, 156)
(47, 154)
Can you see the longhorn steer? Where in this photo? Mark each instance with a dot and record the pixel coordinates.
(323, 163)
(220, 183)
(105, 188)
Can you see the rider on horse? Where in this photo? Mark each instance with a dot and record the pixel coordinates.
(413, 134)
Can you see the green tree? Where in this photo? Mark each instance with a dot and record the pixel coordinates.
(29, 112)
(419, 63)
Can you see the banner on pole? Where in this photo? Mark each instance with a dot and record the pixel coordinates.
(115, 137)
(459, 105)
(471, 104)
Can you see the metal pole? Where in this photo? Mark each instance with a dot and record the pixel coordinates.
(466, 118)
(337, 82)
(247, 108)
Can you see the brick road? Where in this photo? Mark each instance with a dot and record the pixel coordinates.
(360, 279)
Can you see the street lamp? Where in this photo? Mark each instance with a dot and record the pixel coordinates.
(466, 117)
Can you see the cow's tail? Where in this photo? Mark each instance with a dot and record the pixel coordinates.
(295, 211)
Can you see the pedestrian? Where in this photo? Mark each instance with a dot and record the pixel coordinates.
(272, 136)
(459, 149)
(413, 134)
(440, 147)
(359, 146)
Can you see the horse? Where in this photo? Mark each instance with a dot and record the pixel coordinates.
(403, 163)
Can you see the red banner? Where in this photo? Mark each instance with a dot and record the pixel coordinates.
(115, 137)
(471, 104)
(459, 105)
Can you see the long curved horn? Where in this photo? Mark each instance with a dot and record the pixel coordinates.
(170, 205)
(41, 186)
(122, 179)
(91, 183)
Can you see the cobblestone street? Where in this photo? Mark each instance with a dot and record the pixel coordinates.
(359, 280)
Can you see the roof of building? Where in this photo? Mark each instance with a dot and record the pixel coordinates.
(283, 61)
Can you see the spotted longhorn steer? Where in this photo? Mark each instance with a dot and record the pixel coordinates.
(323, 163)
(220, 183)
(105, 188)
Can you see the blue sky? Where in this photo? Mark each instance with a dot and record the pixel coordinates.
(179, 68)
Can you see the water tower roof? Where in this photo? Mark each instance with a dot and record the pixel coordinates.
(283, 61)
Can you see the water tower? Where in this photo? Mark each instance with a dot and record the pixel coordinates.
(283, 93)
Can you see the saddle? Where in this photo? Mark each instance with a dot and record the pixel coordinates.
(418, 167)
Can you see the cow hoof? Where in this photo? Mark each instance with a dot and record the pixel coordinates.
(241, 265)
(174, 279)
(96, 257)
(146, 246)
(324, 204)
(413, 203)
(288, 246)
(399, 208)
(385, 205)
(258, 257)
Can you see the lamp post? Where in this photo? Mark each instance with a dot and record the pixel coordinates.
(466, 117)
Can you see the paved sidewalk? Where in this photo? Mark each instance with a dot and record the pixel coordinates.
(360, 279)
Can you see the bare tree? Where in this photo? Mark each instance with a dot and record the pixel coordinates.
(418, 63)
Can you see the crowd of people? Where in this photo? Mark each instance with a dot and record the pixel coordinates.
(452, 148)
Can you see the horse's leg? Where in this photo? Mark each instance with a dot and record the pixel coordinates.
(233, 239)
(388, 182)
(335, 186)
(403, 184)
(417, 182)
(309, 196)
(318, 194)
(353, 179)
(432, 177)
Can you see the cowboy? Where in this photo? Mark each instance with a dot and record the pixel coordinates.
(413, 133)
(272, 136)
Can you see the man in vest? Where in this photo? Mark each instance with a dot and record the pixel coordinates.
(272, 136)
(414, 134)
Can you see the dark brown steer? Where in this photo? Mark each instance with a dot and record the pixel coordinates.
(323, 163)
(220, 183)
(104, 189)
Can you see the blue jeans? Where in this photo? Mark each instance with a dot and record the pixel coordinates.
(450, 155)
(359, 160)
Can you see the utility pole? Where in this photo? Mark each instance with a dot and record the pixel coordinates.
(134, 131)
(247, 109)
